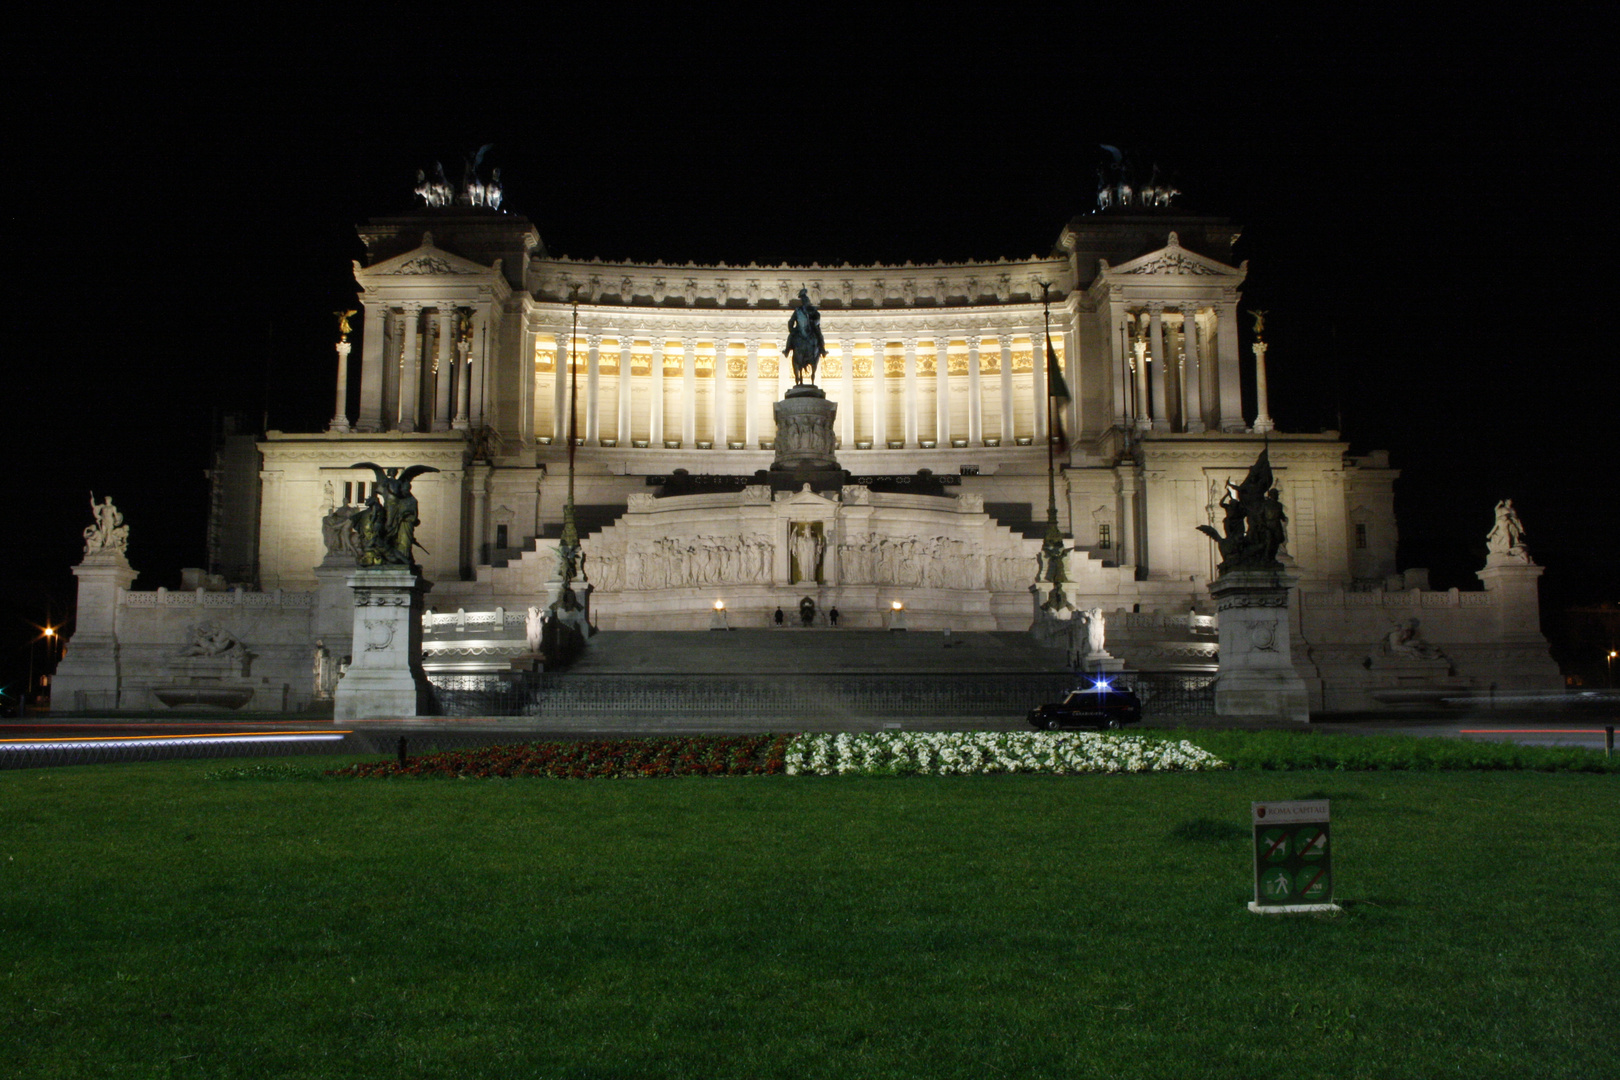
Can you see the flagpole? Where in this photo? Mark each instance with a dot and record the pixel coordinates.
(569, 545)
(1052, 544)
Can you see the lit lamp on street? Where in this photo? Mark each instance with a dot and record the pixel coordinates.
(1610, 658)
(897, 615)
(718, 620)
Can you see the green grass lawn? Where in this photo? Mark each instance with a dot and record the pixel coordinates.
(154, 922)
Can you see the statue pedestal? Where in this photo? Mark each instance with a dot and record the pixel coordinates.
(1257, 677)
(385, 679)
(576, 615)
(87, 678)
(804, 430)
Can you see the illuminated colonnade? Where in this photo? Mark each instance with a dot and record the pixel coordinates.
(703, 390)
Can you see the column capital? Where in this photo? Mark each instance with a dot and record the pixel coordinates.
(1155, 307)
(593, 341)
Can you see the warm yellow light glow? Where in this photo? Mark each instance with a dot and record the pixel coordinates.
(719, 605)
(897, 605)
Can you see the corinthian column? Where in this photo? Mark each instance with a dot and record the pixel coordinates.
(444, 366)
(942, 384)
(1161, 377)
(560, 405)
(593, 390)
(751, 394)
(1228, 405)
(722, 393)
(655, 419)
(880, 404)
(1006, 390)
(371, 368)
(846, 390)
(1037, 349)
(688, 393)
(410, 383)
(626, 347)
(909, 406)
(975, 402)
(1192, 407)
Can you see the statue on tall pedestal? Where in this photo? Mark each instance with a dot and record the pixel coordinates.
(106, 534)
(386, 525)
(1506, 538)
(804, 341)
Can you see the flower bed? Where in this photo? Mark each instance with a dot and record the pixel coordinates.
(746, 755)
(875, 754)
(961, 753)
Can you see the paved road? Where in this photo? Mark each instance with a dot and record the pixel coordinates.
(86, 740)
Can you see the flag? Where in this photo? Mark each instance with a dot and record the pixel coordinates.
(1058, 391)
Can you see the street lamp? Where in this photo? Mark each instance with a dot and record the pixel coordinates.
(1610, 660)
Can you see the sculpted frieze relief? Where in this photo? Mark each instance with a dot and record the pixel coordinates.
(678, 562)
(930, 562)
(346, 450)
(1233, 601)
(431, 264)
(1174, 262)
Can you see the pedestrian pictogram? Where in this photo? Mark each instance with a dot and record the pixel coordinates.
(1292, 857)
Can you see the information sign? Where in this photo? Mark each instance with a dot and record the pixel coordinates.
(1293, 857)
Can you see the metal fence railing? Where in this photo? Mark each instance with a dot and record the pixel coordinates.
(783, 697)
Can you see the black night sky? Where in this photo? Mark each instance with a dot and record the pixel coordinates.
(1423, 208)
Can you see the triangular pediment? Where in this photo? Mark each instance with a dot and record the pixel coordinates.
(428, 260)
(806, 499)
(1172, 259)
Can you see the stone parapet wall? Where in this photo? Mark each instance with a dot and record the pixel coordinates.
(266, 668)
(1464, 642)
